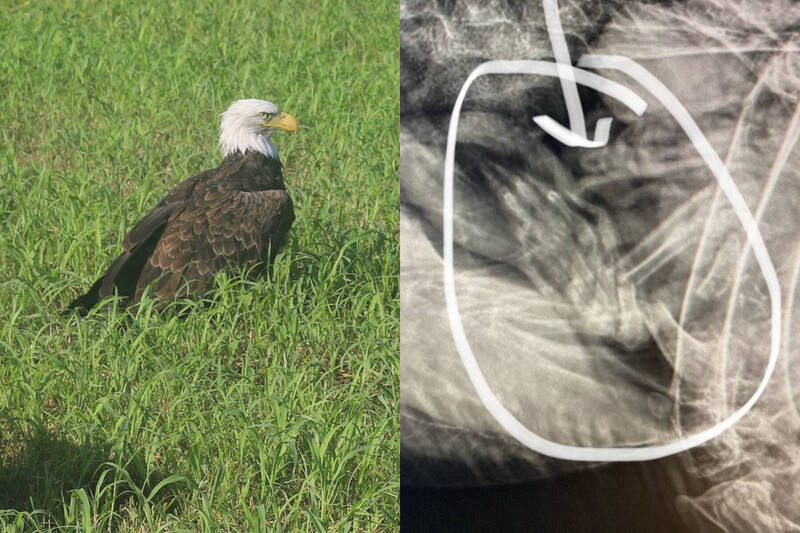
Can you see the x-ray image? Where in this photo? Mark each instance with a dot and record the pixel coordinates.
(600, 219)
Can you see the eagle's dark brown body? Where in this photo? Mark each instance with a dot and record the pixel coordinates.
(231, 216)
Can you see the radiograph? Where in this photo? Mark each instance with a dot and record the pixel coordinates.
(611, 295)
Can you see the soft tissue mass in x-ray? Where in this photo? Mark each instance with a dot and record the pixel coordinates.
(609, 294)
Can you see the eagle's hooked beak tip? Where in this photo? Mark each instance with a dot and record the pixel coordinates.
(285, 122)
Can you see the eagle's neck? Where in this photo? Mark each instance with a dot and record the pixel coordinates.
(242, 141)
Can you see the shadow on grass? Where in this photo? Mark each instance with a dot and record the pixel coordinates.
(37, 468)
(40, 469)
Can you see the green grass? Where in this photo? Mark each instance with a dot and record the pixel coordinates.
(273, 407)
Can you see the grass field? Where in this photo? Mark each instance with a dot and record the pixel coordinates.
(274, 406)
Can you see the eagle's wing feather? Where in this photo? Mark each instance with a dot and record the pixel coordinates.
(174, 200)
(224, 228)
(151, 222)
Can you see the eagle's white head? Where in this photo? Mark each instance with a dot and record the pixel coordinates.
(248, 124)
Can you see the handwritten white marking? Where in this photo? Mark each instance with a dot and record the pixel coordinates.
(576, 134)
(727, 185)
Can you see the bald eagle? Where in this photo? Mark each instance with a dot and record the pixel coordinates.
(230, 216)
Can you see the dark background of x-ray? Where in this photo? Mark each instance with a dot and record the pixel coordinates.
(459, 475)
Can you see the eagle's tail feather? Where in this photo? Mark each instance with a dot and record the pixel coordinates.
(123, 276)
(83, 303)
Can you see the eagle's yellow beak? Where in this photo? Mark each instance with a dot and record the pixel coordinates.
(284, 121)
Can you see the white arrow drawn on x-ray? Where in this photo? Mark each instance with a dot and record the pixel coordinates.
(576, 134)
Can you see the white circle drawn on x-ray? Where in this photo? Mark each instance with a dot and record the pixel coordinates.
(629, 67)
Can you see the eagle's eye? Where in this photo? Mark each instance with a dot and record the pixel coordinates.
(264, 115)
